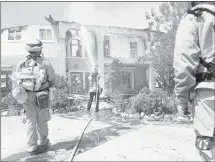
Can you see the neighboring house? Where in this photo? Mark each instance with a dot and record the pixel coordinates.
(72, 55)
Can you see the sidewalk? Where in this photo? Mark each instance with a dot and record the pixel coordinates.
(150, 143)
(102, 141)
(62, 132)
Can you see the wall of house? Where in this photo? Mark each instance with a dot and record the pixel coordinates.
(17, 47)
(77, 64)
(13, 51)
(120, 46)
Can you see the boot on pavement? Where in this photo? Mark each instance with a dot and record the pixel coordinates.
(46, 145)
(38, 151)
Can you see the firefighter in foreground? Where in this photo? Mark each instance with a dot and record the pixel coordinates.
(194, 64)
(34, 77)
(94, 90)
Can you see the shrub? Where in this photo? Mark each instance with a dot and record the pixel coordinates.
(149, 102)
(117, 80)
(61, 82)
(5, 91)
(9, 103)
(60, 96)
(61, 93)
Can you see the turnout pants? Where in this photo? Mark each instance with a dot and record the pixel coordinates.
(92, 94)
(37, 123)
(204, 122)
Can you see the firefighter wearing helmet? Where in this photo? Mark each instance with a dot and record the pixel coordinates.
(36, 76)
(95, 89)
(194, 64)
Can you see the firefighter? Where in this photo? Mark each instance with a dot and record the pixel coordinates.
(194, 73)
(94, 87)
(36, 113)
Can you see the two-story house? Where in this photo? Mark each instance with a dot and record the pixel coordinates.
(73, 51)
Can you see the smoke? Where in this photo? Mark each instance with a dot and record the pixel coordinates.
(123, 14)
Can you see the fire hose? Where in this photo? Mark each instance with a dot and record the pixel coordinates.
(89, 121)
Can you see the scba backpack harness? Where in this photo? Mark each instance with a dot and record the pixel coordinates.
(34, 82)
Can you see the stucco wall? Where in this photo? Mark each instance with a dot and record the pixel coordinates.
(120, 46)
(78, 64)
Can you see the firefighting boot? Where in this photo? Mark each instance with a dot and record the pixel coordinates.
(38, 150)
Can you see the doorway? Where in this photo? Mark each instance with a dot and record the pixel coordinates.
(76, 82)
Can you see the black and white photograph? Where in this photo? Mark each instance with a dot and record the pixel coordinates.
(107, 81)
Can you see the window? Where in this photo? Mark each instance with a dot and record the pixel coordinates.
(106, 48)
(133, 49)
(127, 77)
(75, 48)
(73, 44)
(14, 35)
(45, 34)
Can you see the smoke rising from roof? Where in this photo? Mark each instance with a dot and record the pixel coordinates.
(122, 14)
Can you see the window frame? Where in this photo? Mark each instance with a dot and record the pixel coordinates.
(133, 51)
(46, 28)
(106, 55)
(14, 35)
(72, 47)
(79, 44)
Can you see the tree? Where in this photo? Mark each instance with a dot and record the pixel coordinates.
(162, 31)
(117, 79)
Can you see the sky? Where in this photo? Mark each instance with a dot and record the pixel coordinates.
(124, 14)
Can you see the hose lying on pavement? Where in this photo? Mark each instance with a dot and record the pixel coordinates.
(79, 140)
(91, 119)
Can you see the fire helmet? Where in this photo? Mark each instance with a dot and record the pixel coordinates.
(34, 47)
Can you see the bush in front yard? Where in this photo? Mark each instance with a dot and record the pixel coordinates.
(5, 91)
(60, 96)
(9, 103)
(61, 93)
(149, 102)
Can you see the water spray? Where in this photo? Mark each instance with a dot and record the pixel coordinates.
(87, 43)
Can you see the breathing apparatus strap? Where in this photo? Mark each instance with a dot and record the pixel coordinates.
(208, 65)
(34, 80)
(201, 77)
